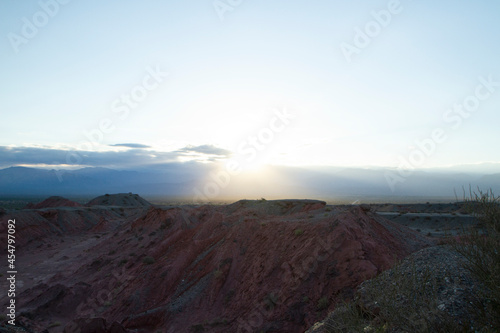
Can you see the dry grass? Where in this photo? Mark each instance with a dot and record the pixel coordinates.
(397, 300)
(481, 249)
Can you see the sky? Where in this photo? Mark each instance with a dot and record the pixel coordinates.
(293, 83)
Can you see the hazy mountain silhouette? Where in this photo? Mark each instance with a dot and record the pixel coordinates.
(279, 182)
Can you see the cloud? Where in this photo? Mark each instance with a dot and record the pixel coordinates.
(130, 145)
(125, 159)
(60, 158)
(206, 150)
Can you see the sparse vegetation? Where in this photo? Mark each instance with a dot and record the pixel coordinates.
(96, 263)
(218, 322)
(54, 324)
(270, 301)
(396, 299)
(197, 328)
(322, 303)
(217, 273)
(408, 301)
(165, 225)
(298, 232)
(480, 247)
(148, 260)
(229, 296)
(348, 318)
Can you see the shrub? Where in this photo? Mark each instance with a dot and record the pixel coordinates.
(322, 303)
(298, 232)
(197, 328)
(229, 296)
(271, 300)
(54, 324)
(218, 322)
(148, 260)
(217, 273)
(481, 251)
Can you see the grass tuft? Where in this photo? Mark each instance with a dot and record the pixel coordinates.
(298, 232)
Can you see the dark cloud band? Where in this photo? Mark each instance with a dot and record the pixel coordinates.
(131, 158)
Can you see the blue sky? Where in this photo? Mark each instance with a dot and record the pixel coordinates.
(63, 85)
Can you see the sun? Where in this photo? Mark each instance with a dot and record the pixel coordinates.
(253, 167)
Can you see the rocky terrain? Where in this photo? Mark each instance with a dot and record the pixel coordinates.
(250, 266)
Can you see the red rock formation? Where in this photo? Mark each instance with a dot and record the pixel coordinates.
(250, 266)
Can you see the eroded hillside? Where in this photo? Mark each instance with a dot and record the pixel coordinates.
(272, 266)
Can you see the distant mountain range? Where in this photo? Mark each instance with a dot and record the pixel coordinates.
(86, 181)
(189, 182)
